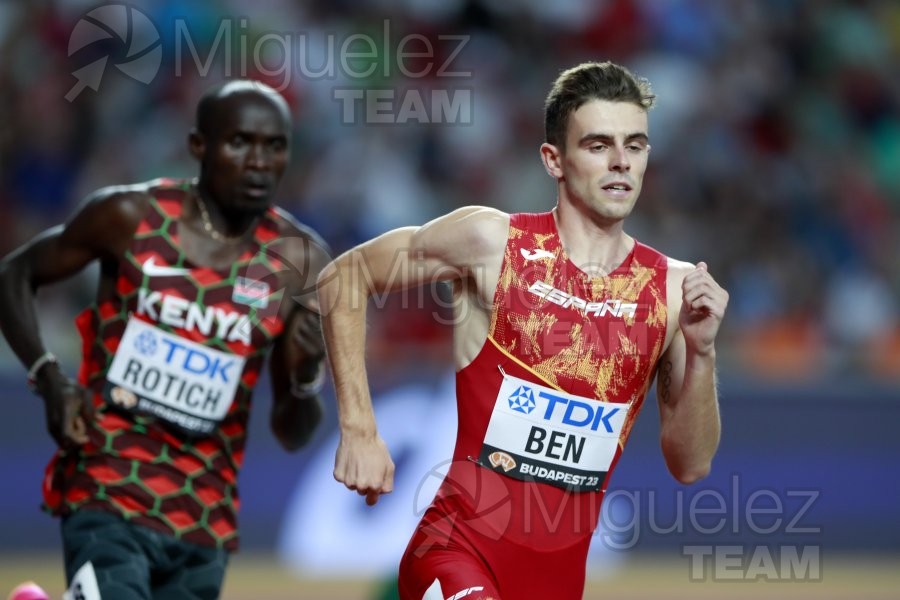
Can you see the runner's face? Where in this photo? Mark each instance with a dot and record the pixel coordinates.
(243, 160)
(606, 156)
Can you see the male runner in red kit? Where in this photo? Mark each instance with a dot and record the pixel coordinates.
(562, 322)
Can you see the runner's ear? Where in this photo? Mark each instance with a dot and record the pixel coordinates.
(197, 144)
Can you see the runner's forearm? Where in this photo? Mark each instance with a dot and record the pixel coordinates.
(344, 302)
(691, 434)
(18, 315)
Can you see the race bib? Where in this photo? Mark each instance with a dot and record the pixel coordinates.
(541, 434)
(179, 381)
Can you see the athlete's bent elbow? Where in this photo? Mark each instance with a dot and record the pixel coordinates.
(327, 277)
(692, 475)
(336, 285)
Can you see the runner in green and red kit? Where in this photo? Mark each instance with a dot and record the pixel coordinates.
(200, 280)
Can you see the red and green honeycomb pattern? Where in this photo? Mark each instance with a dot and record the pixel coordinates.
(134, 464)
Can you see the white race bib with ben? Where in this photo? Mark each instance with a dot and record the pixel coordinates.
(543, 435)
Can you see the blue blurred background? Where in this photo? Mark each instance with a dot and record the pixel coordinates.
(776, 159)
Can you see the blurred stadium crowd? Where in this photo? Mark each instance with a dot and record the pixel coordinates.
(776, 141)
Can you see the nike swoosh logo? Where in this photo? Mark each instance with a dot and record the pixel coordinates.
(536, 254)
(151, 269)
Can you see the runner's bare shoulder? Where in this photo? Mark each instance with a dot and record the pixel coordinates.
(300, 242)
(108, 218)
(479, 230)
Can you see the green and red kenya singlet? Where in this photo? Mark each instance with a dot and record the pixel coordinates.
(171, 357)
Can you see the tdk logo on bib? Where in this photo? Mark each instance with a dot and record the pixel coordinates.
(578, 413)
(522, 400)
(180, 356)
(197, 361)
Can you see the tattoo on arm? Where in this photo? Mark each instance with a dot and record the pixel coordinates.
(665, 379)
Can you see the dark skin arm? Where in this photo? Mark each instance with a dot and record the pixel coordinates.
(300, 351)
(100, 230)
(298, 355)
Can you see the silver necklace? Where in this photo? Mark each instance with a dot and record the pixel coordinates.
(208, 226)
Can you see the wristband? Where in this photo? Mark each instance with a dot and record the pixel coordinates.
(305, 389)
(44, 359)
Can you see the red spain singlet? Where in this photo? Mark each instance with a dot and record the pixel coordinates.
(544, 412)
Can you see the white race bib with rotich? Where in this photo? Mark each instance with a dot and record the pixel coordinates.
(179, 381)
(540, 434)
